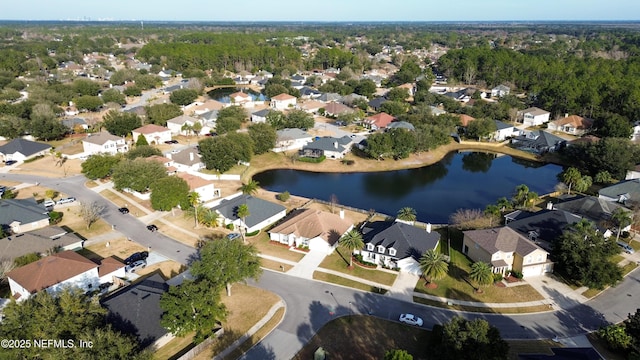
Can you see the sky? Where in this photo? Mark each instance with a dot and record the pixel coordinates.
(322, 10)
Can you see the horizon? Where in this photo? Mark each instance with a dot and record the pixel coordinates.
(330, 11)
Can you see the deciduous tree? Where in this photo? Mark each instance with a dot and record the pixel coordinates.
(183, 97)
(99, 166)
(159, 113)
(459, 337)
(169, 192)
(264, 137)
(90, 212)
(121, 123)
(138, 174)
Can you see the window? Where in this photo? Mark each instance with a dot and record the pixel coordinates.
(392, 252)
(370, 247)
(508, 256)
(381, 249)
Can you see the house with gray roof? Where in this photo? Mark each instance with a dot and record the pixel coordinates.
(21, 215)
(436, 111)
(262, 213)
(376, 103)
(500, 91)
(21, 149)
(505, 250)
(291, 139)
(329, 97)
(135, 310)
(188, 159)
(38, 241)
(176, 124)
(503, 131)
(330, 147)
(538, 142)
(397, 244)
(543, 227)
(622, 192)
(73, 123)
(401, 125)
(260, 116)
(533, 116)
(597, 210)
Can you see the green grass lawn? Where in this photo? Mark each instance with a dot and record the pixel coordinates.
(339, 261)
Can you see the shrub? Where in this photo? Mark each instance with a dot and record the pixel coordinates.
(360, 259)
(625, 234)
(497, 277)
(55, 217)
(26, 259)
(33, 159)
(230, 226)
(284, 196)
(348, 162)
(253, 233)
(516, 274)
(313, 160)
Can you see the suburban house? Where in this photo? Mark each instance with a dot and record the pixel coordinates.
(533, 116)
(204, 188)
(337, 109)
(397, 244)
(58, 271)
(206, 106)
(22, 215)
(75, 124)
(538, 142)
(309, 93)
(262, 213)
(165, 161)
(500, 91)
(376, 103)
(260, 116)
(187, 160)
(155, 134)
(622, 192)
(378, 121)
(315, 229)
(574, 125)
(283, 101)
(401, 125)
(183, 125)
(504, 131)
(330, 97)
(436, 111)
(506, 250)
(411, 88)
(311, 106)
(291, 139)
(542, 227)
(21, 149)
(38, 241)
(104, 143)
(135, 310)
(465, 119)
(330, 147)
(596, 210)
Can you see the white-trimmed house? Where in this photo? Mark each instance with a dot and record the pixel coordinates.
(500, 91)
(291, 139)
(534, 116)
(177, 124)
(504, 130)
(155, 134)
(260, 116)
(61, 270)
(397, 244)
(262, 213)
(506, 250)
(204, 188)
(22, 215)
(318, 230)
(21, 149)
(283, 101)
(187, 160)
(104, 143)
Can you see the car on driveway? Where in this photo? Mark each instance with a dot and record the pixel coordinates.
(233, 236)
(152, 228)
(141, 255)
(10, 162)
(626, 248)
(171, 142)
(66, 200)
(131, 268)
(123, 210)
(410, 319)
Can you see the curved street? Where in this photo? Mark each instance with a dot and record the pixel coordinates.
(309, 309)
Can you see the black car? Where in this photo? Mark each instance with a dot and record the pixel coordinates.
(123, 210)
(10, 162)
(152, 228)
(142, 255)
(171, 142)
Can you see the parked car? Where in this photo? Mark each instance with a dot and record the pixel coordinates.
(141, 255)
(66, 200)
(626, 248)
(233, 236)
(49, 203)
(123, 210)
(410, 319)
(136, 265)
(171, 142)
(152, 228)
(10, 162)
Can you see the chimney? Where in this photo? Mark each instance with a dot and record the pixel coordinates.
(190, 156)
(549, 205)
(335, 144)
(566, 114)
(429, 228)
(341, 213)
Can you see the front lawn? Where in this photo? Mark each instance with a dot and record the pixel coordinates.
(265, 246)
(339, 261)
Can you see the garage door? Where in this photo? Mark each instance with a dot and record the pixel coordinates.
(535, 270)
(409, 266)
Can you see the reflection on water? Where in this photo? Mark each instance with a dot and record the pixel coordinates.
(460, 180)
(222, 94)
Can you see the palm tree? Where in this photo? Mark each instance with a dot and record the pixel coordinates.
(504, 204)
(242, 212)
(194, 200)
(406, 214)
(433, 265)
(492, 211)
(209, 217)
(249, 188)
(481, 273)
(351, 241)
(531, 198)
(521, 194)
(571, 177)
(621, 219)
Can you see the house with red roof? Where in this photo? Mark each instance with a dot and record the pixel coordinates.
(155, 134)
(378, 121)
(283, 101)
(574, 125)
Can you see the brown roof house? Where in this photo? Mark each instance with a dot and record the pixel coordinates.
(58, 271)
(283, 101)
(574, 125)
(378, 121)
(315, 229)
(204, 188)
(155, 134)
(505, 250)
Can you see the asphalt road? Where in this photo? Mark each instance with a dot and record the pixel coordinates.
(311, 304)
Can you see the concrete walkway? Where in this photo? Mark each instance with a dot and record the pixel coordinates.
(305, 267)
(558, 294)
(403, 287)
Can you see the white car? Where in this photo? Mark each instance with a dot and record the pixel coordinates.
(66, 200)
(410, 319)
(131, 268)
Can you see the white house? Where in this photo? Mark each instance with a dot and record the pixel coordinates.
(500, 91)
(176, 125)
(104, 143)
(239, 98)
(21, 215)
(58, 271)
(22, 149)
(187, 160)
(315, 229)
(204, 188)
(155, 134)
(330, 147)
(503, 131)
(291, 139)
(635, 136)
(534, 116)
(283, 101)
(260, 116)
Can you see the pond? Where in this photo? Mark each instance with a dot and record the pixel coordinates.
(469, 180)
(222, 94)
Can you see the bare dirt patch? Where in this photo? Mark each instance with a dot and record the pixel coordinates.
(48, 167)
